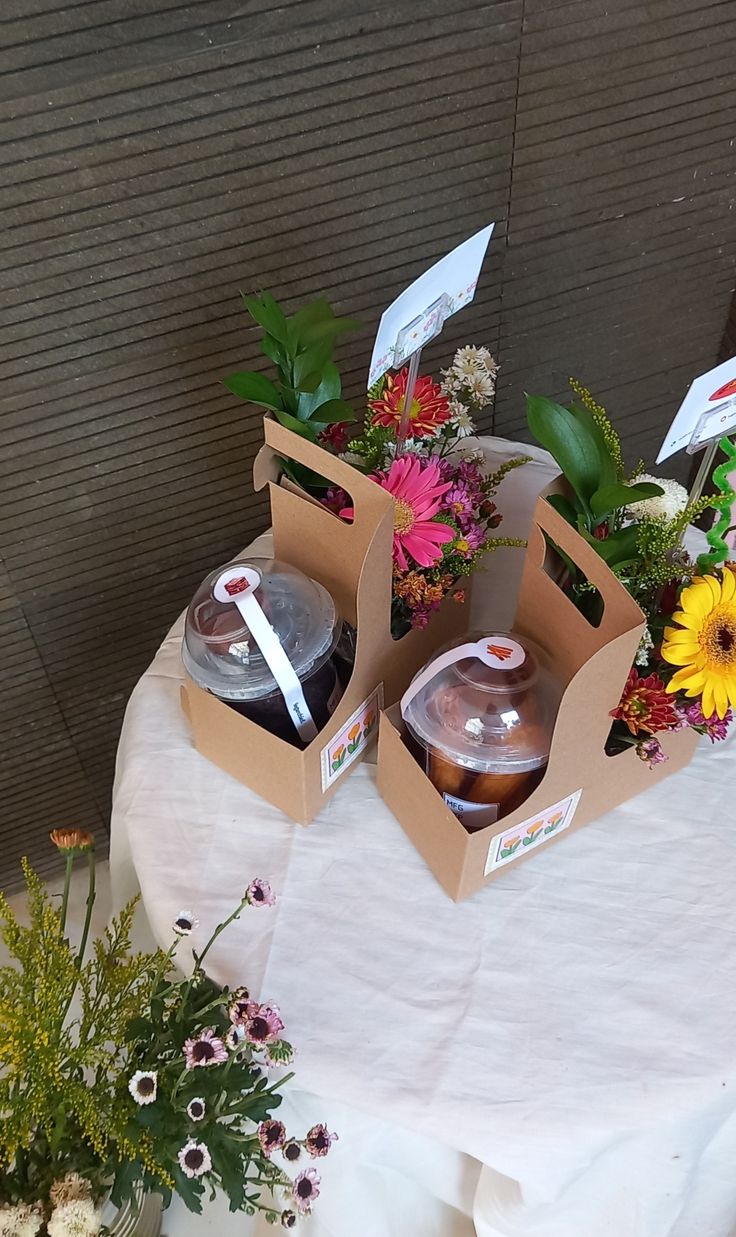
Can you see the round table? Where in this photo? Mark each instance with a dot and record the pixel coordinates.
(553, 1056)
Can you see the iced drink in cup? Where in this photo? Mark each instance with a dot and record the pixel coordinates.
(479, 720)
(221, 655)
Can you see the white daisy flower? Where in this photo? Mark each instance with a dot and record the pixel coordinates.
(194, 1159)
(76, 1219)
(469, 359)
(462, 422)
(185, 923)
(481, 388)
(196, 1108)
(669, 504)
(143, 1085)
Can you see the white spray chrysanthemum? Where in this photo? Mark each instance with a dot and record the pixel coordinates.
(20, 1220)
(671, 503)
(79, 1218)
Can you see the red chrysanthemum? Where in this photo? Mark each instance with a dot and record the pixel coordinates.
(645, 706)
(429, 407)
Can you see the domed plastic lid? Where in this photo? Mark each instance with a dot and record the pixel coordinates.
(219, 650)
(487, 704)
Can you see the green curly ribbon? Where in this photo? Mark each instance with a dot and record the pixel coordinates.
(719, 551)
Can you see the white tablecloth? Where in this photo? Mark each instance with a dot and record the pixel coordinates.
(553, 1057)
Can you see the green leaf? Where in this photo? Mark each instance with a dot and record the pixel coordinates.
(608, 474)
(271, 348)
(305, 429)
(317, 311)
(563, 507)
(254, 387)
(303, 476)
(613, 497)
(332, 412)
(328, 329)
(618, 547)
(576, 452)
(329, 388)
(268, 315)
(311, 362)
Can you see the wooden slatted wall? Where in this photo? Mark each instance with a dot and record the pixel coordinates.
(160, 156)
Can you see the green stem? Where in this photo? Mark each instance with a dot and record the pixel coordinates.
(221, 928)
(198, 966)
(67, 885)
(90, 906)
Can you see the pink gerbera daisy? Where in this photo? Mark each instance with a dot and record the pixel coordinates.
(417, 488)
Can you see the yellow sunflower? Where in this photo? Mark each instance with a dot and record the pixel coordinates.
(703, 644)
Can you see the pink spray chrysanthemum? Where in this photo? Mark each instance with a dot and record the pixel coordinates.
(458, 502)
(204, 1049)
(714, 726)
(271, 1136)
(260, 893)
(263, 1024)
(417, 489)
(305, 1189)
(319, 1140)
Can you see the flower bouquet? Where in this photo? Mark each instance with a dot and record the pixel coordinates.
(119, 1077)
(445, 513)
(685, 669)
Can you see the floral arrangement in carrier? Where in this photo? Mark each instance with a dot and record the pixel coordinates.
(445, 509)
(685, 669)
(118, 1076)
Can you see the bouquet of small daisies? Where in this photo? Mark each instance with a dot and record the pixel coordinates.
(118, 1076)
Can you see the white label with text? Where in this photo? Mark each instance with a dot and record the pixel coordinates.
(472, 815)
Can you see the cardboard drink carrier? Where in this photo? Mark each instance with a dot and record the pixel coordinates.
(353, 561)
(581, 781)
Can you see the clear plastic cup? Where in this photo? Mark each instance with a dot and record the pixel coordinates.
(482, 733)
(221, 656)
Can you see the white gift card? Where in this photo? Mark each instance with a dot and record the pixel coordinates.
(708, 411)
(418, 312)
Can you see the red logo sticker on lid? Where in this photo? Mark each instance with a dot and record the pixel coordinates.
(501, 653)
(235, 583)
(728, 388)
(239, 585)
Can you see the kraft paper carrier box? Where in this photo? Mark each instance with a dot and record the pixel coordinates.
(581, 782)
(353, 561)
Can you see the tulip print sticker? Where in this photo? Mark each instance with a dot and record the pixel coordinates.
(531, 833)
(707, 412)
(353, 740)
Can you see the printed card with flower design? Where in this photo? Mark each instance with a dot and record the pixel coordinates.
(531, 833)
(352, 740)
(707, 412)
(451, 281)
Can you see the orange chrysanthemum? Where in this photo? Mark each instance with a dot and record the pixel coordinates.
(645, 706)
(72, 839)
(429, 407)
